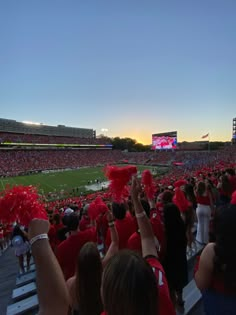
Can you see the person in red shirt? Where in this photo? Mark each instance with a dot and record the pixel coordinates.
(134, 285)
(124, 224)
(58, 225)
(85, 222)
(225, 189)
(69, 249)
(84, 287)
(52, 234)
(204, 206)
(134, 242)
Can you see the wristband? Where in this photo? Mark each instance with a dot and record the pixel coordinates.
(111, 223)
(140, 215)
(38, 237)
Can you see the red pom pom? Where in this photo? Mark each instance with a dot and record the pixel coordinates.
(149, 186)
(119, 177)
(180, 200)
(233, 200)
(22, 204)
(180, 183)
(96, 208)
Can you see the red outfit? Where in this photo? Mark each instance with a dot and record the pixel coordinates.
(165, 305)
(69, 249)
(203, 200)
(134, 241)
(102, 227)
(84, 223)
(125, 228)
(52, 236)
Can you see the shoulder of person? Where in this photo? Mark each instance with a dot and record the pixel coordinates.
(208, 253)
(70, 282)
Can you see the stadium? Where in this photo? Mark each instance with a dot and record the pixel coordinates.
(117, 157)
(59, 160)
(67, 167)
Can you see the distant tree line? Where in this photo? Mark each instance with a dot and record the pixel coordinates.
(129, 144)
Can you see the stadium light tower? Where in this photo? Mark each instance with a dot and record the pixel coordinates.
(104, 130)
(234, 131)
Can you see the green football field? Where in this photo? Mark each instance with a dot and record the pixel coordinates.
(73, 181)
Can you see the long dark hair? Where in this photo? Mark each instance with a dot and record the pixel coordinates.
(174, 227)
(201, 188)
(189, 192)
(88, 280)
(129, 286)
(226, 187)
(225, 249)
(17, 231)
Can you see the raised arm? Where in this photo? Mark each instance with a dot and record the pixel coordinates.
(146, 232)
(114, 246)
(51, 287)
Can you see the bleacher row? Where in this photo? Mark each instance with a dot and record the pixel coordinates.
(25, 301)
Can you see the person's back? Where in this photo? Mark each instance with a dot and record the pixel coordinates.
(68, 250)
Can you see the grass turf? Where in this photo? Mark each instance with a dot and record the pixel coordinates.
(64, 180)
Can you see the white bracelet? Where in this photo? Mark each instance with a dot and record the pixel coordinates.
(140, 215)
(38, 237)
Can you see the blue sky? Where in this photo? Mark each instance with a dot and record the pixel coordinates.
(134, 67)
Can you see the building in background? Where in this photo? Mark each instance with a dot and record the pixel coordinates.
(13, 126)
(234, 131)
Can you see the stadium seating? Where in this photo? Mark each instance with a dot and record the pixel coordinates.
(23, 291)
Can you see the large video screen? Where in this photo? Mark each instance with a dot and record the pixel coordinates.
(164, 141)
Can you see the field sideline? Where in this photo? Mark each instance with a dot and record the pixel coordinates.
(64, 180)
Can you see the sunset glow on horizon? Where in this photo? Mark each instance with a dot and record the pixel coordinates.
(136, 68)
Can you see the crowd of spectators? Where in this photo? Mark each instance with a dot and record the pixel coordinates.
(158, 229)
(24, 161)
(16, 162)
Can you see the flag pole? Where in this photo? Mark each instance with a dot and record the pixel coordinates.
(208, 141)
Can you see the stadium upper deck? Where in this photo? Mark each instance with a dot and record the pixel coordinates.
(9, 125)
(12, 131)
